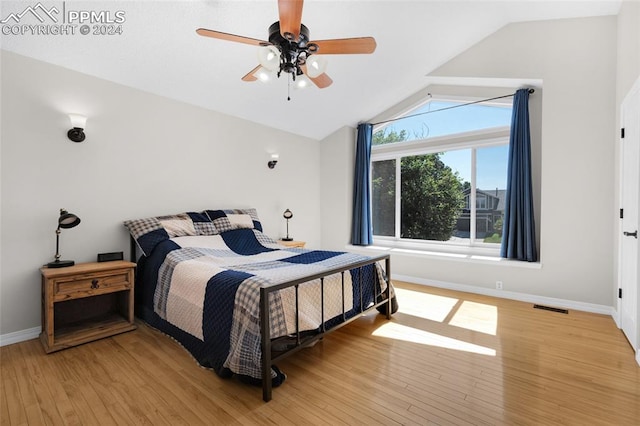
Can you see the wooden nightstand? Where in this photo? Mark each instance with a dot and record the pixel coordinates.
(298, 244)
(86, 302)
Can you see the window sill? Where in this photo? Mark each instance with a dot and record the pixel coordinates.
(426, 253)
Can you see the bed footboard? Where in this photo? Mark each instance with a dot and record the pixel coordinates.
(269, 358)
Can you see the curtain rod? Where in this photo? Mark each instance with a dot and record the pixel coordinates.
(446, 108)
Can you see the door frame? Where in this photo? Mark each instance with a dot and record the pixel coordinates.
(618, 318)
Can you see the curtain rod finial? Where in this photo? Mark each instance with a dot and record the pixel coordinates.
(532, 91)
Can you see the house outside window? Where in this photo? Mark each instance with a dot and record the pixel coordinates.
(439, 180)
(481, 200)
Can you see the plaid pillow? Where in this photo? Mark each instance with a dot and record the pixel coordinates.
(227, 220)
(151, 231)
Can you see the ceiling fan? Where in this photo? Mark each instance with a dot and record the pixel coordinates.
(289, 49)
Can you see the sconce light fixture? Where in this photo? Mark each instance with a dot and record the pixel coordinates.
(78, 122)
(274, 160)
(287, 215)
(66, 220)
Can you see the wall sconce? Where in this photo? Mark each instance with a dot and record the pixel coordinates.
(274, 160)
(66, 220)
(287, 215)
(78, 122)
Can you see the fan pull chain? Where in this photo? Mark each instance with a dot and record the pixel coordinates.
(289, 88)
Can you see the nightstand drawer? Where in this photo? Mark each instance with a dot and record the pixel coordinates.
(86, 285)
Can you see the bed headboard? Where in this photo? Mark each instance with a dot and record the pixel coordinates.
(133, 249)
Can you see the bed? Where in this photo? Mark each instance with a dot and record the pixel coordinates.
(237, 300)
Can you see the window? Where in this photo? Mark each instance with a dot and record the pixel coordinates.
(383, 176)
(481, 200)
(440, 178)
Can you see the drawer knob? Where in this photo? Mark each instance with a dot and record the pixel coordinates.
(95, 284)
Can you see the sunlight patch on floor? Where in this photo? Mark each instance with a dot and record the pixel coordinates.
(424, 305)
(396, 331)
(477, 317)
(473, 316)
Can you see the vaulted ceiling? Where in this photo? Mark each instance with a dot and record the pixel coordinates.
(160, 52)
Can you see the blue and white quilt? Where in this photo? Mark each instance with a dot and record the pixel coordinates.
(205, 291)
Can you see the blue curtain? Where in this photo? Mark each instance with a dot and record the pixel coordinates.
(518, 235)
(362, 231)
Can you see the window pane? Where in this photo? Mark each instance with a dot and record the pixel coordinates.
(441, 123)
(433, 194)
(491, 177)
(383, 176)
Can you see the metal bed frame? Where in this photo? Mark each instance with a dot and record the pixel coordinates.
(270, 356)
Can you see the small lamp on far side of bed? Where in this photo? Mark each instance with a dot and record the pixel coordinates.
(66, 220)
(287, 215)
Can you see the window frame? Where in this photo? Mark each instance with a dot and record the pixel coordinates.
(473, 140)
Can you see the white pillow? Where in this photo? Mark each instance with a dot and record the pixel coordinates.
(240, 221)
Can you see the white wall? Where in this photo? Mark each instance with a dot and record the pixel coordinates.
(337, 153)
(144, 155)
(576, 60)
(628, 64)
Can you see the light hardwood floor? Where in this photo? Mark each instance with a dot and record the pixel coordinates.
(445, 358)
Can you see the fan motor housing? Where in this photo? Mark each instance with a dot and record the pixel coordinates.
(293, 53)
(277, 39)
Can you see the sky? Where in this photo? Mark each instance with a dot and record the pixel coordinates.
(491, 166)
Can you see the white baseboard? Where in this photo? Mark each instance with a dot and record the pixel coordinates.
(19, 336)
(522, 297)
(616, 317)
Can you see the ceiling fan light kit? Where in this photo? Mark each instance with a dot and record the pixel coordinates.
(269, 57)
(316, 66)
(264, 75)
(290, 50)
(302, 82)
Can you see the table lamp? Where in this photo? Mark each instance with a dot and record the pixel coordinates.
(287, 215)
(66, 220)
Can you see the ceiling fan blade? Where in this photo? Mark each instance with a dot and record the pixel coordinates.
(322, 81)
(251, 75)
(290, 12)
(231, 37)
(340, 46)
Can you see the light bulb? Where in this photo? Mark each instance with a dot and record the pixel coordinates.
(269, 57)
(302, 82)
(316, 66)
(263, 75)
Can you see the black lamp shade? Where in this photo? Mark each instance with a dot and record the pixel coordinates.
(67, 220)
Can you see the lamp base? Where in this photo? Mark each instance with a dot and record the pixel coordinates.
(60, 264)
(286, 239)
